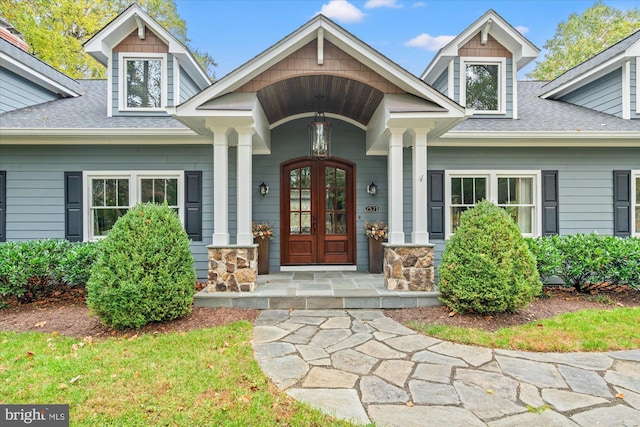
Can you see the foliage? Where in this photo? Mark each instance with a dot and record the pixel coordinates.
(584, 36)
(487, 266)
(33, 269)
(482, 87)
(584, 330)
(55, 31)
(375, 230)
(144, 272)
(584, 259)
(206, 377)
(262, 231)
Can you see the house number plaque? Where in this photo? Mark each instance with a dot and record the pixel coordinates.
(372, 208)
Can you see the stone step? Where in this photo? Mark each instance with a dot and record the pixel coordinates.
(318, 300)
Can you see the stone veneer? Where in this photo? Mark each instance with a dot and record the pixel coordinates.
(233, 268)
(408, 267)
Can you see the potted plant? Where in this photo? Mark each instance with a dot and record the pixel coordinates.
(262, 233)
(376, 232)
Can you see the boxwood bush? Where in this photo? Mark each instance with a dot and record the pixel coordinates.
(581, 260)
(144, 272)
(34, 269)
(487, 266)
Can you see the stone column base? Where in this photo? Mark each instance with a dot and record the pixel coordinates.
(409, 267)
(233, 268)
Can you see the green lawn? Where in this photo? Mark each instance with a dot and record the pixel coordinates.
(585, 330)
(200, 378)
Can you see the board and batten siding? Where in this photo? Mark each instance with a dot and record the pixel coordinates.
(290, 141)
(585, 179)
(603, 94)
(35, 183)
(18, 92)
(442, 82)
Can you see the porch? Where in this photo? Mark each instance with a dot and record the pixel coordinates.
(318, 290)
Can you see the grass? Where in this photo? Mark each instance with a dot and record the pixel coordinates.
(205, 377)
(585, 330)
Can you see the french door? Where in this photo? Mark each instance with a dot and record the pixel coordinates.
(317, 212)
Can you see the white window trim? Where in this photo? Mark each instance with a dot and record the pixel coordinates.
(635, 175)
(502, 80)
(122, 79)
(638, 85)
(492, 192)
(134, 178)
(626, 90)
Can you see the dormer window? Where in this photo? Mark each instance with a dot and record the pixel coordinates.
(484, 85)
(143, 82)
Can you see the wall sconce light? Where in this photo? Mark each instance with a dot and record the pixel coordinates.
(264, 189)
(372, 189)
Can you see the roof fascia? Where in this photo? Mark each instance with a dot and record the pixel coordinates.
(577, 136)
(296, 40)
(38, 78)
(101, 44)
(524, 51)
(586, 78)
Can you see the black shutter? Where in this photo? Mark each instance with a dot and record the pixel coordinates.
(435, 204)
(622, 203)
(73, 206)
(3, 206)
(550, 217)
(193, 204)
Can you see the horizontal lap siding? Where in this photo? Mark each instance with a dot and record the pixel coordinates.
(603, 94)
(187, 87)
(585, 179)
(442, 82)
(35, 183)
(18, 92)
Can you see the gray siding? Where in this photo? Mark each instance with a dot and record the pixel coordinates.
(18, 92)
(442, 82)
(603, 94)
(635, 86)
(290, 141)
(456, 79)
(187, 86)
(35, 183)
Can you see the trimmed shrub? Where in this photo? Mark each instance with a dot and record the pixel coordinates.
(33, 269)
(487, 266)
(144, 272)
(548, 256)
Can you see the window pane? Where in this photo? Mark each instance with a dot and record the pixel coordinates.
(341, 178)
(341, 223)
(305, 222)
(341, 198)
(97, 188)
(330, 223)
(637, 219)
(330, 177)
(104, 219)
(522, 215)
(456, 190)
(144, 83)
(147, 191)
(305, 201)
(306, 177)
(503, 191)
(294, 200)
(331, 201)
(637, 192)
(456, 212)
(294, 224)
(481, 189)
(110, 192)
(482, 86)
(467, 191)
(294, 178)
(171, 191)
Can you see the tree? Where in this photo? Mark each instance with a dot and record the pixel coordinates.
(56, 30)
(584, 36)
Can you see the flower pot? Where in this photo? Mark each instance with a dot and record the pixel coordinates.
(263, 255)
(375, 255)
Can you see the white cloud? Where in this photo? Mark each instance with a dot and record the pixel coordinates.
(419, 4)
(522, 29)
(372, 4)
(342, 11)
(430, 43)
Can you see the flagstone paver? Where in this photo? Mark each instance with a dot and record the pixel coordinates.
(361, 366)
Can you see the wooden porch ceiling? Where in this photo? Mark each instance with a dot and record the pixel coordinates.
(313, 93)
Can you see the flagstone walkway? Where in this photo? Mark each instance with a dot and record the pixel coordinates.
(363, 366)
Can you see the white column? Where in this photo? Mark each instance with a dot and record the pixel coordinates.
(394, 171)
(420, 234)
(220, 187)
(244, 190)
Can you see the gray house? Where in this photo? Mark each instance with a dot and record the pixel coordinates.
(560, 156)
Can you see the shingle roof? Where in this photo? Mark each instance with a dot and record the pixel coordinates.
(593, 62)
(536, 115)
(35, 64)
(88, 111)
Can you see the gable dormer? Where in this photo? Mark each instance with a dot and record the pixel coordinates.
(479, 67)
(148, 69)
(608, 82)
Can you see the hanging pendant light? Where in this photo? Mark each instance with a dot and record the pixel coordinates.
(320, 136)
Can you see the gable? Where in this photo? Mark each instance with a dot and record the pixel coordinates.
(151, 43)
(492, 48)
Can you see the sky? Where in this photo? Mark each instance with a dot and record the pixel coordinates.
(409, 32)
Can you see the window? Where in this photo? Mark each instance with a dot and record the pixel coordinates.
(484, 86)
(635, 203)
(515, 191)
(111, 194)
(143, 82)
